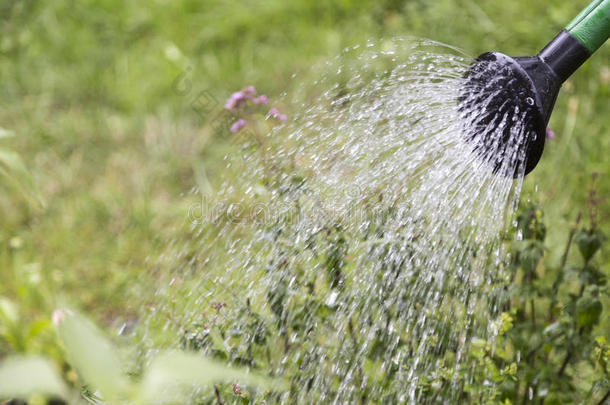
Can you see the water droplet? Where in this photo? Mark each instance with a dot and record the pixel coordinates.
(384, 176)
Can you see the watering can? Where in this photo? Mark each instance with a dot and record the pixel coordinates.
(530, 85)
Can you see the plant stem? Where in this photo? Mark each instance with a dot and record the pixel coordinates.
(564, 364)
(525, 392)
(542, 343)
(350, 328)
(530, 360)
(564, 259)
(570, 352)
(533, 314)
(217, 393)
(263, 155)
(438, 391)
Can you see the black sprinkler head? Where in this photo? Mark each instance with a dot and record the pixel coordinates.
(501, 92)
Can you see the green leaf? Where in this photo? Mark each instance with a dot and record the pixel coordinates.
(530, 256)
(37, 328)
(22, 377)
(589, 241)
(591, 275)
(10, 327)
(91, 354)
(588, 311)
(530, 223)
(172, 374)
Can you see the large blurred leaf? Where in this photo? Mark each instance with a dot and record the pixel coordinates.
(92, 355)
(21, 377)
(171, 375)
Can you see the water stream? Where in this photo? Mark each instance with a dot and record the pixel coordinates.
(357, 249)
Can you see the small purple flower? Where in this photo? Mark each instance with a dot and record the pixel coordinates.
(236, 389)
(549, 133)
(249, 91)
(235, 100)
(274, 112)
(237, 125)
(218, 305)
(262, 99)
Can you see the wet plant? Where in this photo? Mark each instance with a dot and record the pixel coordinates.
(553, 338)
(379, 257)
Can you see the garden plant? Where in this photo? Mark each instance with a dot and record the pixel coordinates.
(121, 121)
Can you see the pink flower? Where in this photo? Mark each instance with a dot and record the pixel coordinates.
(249, 91)
(235, 100)
(262, 99)
(237, 125)
(274, 112)
(549, 133)
(57, 317)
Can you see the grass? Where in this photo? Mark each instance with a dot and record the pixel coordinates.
(89, 90)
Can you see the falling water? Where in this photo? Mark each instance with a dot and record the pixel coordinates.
(358, 249)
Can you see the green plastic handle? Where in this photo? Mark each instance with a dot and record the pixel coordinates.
(592, 26)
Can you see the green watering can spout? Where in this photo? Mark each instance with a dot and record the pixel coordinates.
(529, 85)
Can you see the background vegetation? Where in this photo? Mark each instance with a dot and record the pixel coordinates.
(89, 99)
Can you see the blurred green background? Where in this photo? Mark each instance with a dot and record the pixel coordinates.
(94, 94)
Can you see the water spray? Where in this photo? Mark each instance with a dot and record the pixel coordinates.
(498, 88)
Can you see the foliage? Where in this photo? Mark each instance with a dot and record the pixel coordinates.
(168, 379)
(544, 346)
(554, 313)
